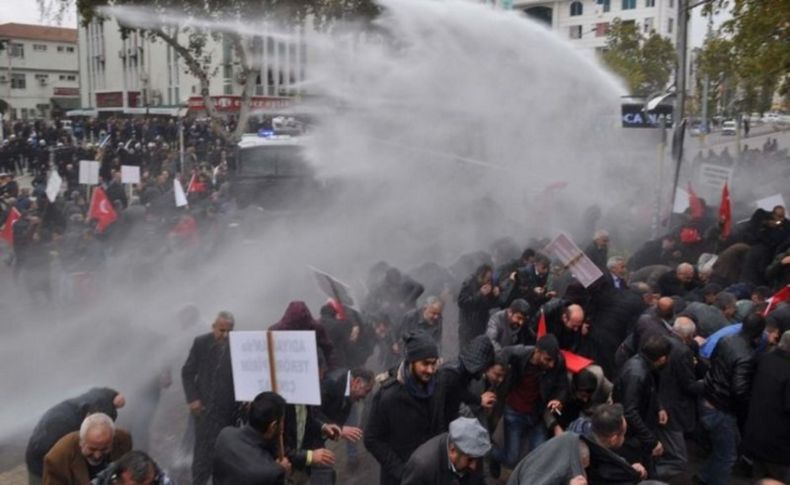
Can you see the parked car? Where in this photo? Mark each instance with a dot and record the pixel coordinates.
(729, 127)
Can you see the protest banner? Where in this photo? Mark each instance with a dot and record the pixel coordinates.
(574, 259)
(89, 172)
(293, 355)
(333, 287)
(130, 174)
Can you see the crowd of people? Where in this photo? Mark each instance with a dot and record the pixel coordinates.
(680, 349)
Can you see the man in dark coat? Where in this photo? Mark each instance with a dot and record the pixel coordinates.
(636, 389)
(207, 378)
(559, 461)
(353, 339)
(654, 321)
(727, 390)
(528, 282)
(402, 411)
(453, 380)
(64, 418)
(767, 432)
(658, 251)
(564, 320)
(249, 455)
(608, 430)
(537, 382)
(478, 296)
(679, 390)
(598, 249)
(451, 458)
(680, 282)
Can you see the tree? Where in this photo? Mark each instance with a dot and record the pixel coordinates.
(190, 40)
(715, 63)
(759, 32)
(645, 63)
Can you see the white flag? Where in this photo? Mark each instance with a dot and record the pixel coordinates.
(181, 198)
(681, 202)
(53, 185)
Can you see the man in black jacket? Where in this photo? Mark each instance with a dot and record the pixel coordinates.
(726, 396)
(679, 390)
(249, 455)
(637, 390)
(402, 411)
(767, 432)
(451, 458)
(609, 428)
(478, 296)
(537, 382)
(207, 378)
(454, 378)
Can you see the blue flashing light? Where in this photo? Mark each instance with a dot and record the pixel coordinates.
(263, 133)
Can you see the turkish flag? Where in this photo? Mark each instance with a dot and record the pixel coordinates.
(695, 204)
(780, 296)
(575, 363)
(195, 185)
(8, 228)
(102, 210)
(725, 212)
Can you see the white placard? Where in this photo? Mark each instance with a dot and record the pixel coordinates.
(713, 177)
(130, 174)
(53, 185)
(181, 197)
(768, 203)
(564, 249)
(296, 367)
(681, 201)
(89, 172)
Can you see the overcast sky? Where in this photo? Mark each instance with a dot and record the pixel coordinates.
(26, 11)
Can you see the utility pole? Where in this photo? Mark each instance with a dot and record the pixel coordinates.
(706, 86)
(680, 79)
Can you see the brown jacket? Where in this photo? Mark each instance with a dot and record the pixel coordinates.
(65, 465)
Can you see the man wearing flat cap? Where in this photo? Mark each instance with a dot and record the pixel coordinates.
(401, 414)
(450, 458)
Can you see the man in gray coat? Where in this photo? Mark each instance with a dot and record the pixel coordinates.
(506, 327)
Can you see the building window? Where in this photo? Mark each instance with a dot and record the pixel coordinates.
(18, 81)
(601, 29)
(60, 48)
(17, 50)
(576, 8)
(670, 25)
(42, 76)
(40, 47)
(650, 3)
(671, 3)
(24, 113)
(606, 5)
(69, 49)
(629, 4)
(576, 32)
(228, 89)
(648, 25)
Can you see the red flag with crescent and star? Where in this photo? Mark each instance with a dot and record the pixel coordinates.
(8, 228)
(101, 210)
(725, 212)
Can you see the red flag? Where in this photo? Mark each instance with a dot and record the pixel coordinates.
(542, 325)
(779, 297)
(695, 204)
(725, 212)
(575, 363)
(102, 210)
(8, 228)
(195, 185)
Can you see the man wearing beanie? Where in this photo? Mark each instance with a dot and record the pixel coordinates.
(450, 458)
(401, 414)
(537, 383)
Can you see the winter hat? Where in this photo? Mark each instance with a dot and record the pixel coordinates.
(420, 346)
(549, 344)
(470, 437)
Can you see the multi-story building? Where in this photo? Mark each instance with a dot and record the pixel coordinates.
(39, 75)
(586, 22)
(135, 75)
